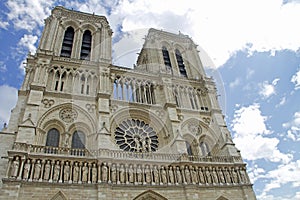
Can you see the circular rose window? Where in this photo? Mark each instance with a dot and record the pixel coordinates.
(136, 136)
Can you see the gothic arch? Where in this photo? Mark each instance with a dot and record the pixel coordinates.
(73, 23)
(59, 196)
(150, 195)
(88, 26)
(221, 198)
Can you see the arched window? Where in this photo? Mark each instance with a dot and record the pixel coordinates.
(86, 45)
(188, 148)
(166, 57)
(180, 63)
(52, 138)
(78, 140)
(67, 44)
(204, 149)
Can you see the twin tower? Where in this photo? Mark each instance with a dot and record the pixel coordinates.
(84, 128)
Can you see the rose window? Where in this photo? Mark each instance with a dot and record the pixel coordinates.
(136, 136)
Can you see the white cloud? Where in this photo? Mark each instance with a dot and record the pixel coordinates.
(8, 101)
(235, 83)
(3, 67)
(296, 80)
(3, 24)
(28, 14)
(28, 42)
(219, 36)
(282, 102)
(268, 89)
(293, 127)
(250, 136)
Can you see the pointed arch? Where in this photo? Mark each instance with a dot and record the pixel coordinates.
(166, 57)
(180, 63)
(86, 45)
(150, 195)
(67, 44)
(59, 196)
(221, 198)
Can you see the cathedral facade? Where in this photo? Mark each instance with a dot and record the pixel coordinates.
(84, 128)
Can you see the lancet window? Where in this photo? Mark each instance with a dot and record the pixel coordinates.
(180, 63)
(134, 90)
(204, 149)
(86, 45)
(52, 138)
(67, 45)
(190, 98)
(166, 57)
(78, 140)
(189, 148)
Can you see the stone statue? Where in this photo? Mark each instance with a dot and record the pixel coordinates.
(137, 144)
(163, 174)
(75, 172)
(243, 176)
(66, 140)
(122, 174)
(113, 173)
(104, 172)
(187, 175)
(66, 171)
(178, 175)
(148, 174)
(214, 176)
(194, 175)
(227, 176)
(15, 168)
(37, 170)
(94, 173)
(139, 174)
(26, 170)
(155, 175)
(171, 175)
(234, 176)
(56, 171)
(149, 144)
(130, 174)
(201, 176)
(208, 176)
(85, 173)
(47, 170)
(221, 176)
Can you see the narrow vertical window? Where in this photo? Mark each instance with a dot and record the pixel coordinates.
(67, 44)
(78, 140)
(188, 148)
(180, 63)
(52, 138)
(86, 45)
(204, 149)
(167, 60)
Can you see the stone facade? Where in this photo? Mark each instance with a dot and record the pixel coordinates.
(84, 128)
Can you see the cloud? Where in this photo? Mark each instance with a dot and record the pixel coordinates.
(27, 43)
(8, 101)
(296, 80)
(235, 83)
(28, 14)
(3, 24)
(282, 102)
(251, 136)
(293, 127)
(268, 89)
(3, 67)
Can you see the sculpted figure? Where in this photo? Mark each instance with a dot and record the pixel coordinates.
(94, 173)
(75, 172)
(85, 173)
(130, 174)
(178, 175)
(26, 170)
(214, 176)
(234, 176)
(171, 175)
(194, 175)
(47, 170)
(15, 168)
(201, 176)
(139, 174)
(208, 176)
(148, 175)
(221, 176)
(56, 171)
(122, 174)
(37, 170)
(66, 171)
(243, 176)
(187, 175)
(155, 174)
(163, 174)
(113, 173)
(104, 172)
(227, 176)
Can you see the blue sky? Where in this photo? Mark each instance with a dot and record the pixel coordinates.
(254, 51)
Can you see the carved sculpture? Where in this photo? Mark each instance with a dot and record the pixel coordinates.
(37, 170)
(15, 168)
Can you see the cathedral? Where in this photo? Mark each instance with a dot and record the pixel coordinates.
(84, 128)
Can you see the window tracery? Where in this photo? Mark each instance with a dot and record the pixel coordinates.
(136, 136)
(53, 138)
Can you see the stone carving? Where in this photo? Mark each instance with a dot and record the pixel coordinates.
(56, 171)
(214, 176)
(234, 176)
(155, 175)
(178, 175)
(68, 115)
(66, 171)
(195, 128)
(104, 172)
(66, 139)
(90, 107)
(187, 175)
(227, 176)
(208, 176)
(94, 173)
(15, 167)
(194, 175)
(113, 173)
(122, 174)
(47, 170)
(201, 176)
(221, 176)
(171, 175)
(48, 102)
(147, 175)
(131, 174)
(37, 170)
(163, 173)
(26, 170)
(139, 174)
(85, 173)
(75, 173)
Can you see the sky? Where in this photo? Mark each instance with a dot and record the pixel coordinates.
(253, 48)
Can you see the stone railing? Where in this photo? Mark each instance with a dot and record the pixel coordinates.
(123, 155)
